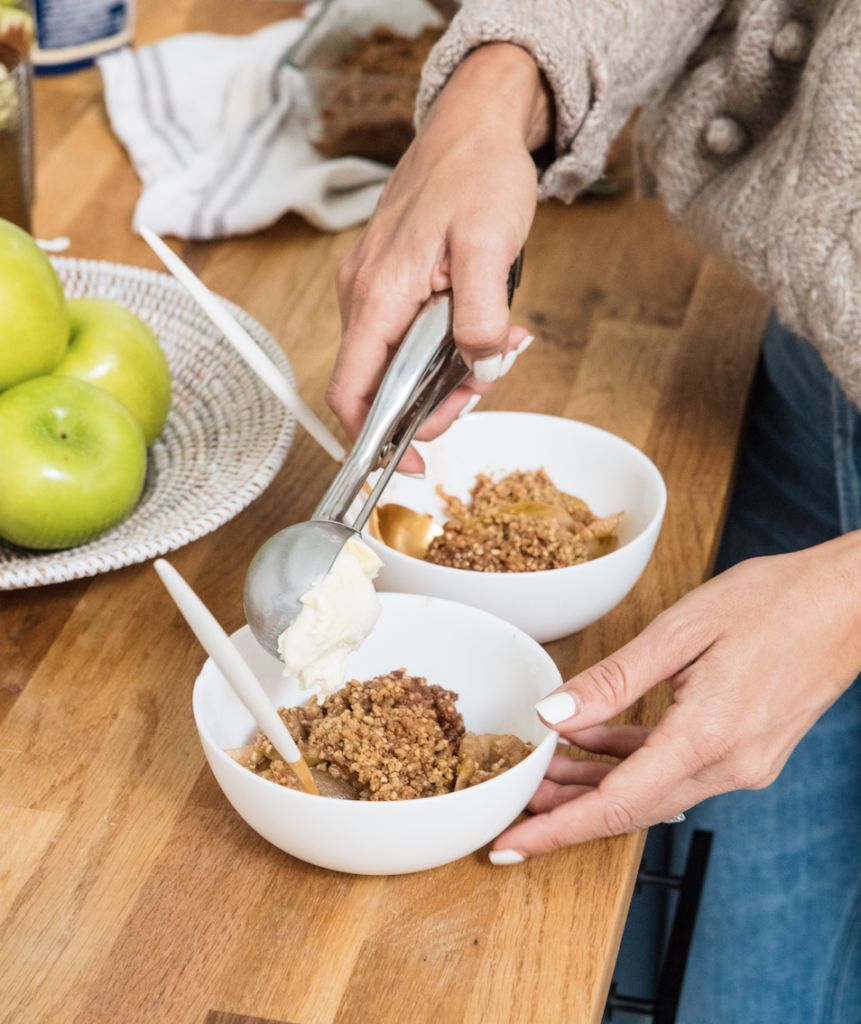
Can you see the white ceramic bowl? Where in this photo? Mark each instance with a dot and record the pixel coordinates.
(498, 672)
(608, 473)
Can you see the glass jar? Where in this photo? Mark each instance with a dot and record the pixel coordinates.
(16, 137)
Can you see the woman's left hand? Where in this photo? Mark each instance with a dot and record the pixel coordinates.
(754, 657)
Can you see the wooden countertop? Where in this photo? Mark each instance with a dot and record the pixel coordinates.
(129, 889)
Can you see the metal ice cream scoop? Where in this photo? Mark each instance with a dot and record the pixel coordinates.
(426, 369)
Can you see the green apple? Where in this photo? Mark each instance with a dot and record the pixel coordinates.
(73, 462)
(34, 325)
(113, 349)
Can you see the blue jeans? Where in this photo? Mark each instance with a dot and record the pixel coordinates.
(778, 937)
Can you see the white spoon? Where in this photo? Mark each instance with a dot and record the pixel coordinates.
(245, 345)
(235, 670)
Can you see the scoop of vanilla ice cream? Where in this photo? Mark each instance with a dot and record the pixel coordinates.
(337, 614)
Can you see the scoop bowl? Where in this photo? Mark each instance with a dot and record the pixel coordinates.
(284, 570)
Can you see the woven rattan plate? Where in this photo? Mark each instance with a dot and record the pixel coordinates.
(225, 439)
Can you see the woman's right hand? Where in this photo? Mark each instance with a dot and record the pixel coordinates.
(454, 214)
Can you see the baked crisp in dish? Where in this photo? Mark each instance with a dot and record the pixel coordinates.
(391, 738)
(522, 523)
(370, 110)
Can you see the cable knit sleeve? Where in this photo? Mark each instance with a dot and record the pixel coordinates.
(601, 58)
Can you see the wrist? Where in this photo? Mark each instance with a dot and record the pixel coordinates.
(500, 88)
(842, 589)
(849, 548)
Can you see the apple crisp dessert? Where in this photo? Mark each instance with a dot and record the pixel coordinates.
(521, 523)
(390, 738)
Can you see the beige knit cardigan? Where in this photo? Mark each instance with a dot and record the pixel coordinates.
(751, 131)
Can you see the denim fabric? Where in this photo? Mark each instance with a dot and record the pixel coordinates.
(778, 938)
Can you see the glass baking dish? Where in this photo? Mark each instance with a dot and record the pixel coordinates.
(361, 61)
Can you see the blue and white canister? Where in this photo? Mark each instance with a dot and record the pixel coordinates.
(70, 34)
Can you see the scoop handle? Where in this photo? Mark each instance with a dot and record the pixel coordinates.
(397, 395)
(425, 370)
(234, 668)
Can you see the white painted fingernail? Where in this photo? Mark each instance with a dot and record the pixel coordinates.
(508, 361)
(413, 476)
(470, 405)
(509, 357)
(487, 370)
(558, 707)
(676, 818)
(502, 858)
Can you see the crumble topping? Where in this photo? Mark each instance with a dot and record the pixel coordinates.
(391, 738)
(521, 523)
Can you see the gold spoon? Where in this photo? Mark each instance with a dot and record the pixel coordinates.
(403, 529)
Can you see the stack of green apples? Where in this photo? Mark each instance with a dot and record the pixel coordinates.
(84, 390)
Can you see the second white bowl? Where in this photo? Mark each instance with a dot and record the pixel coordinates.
(499, 674)
(609, 474)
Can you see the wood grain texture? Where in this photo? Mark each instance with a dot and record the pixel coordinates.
(214, 1017)
(129, 889)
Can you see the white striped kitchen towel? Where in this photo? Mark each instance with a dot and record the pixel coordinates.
(212, 126)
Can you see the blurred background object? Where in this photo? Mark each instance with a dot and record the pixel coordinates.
(309, 113)
(447, 8)
(16, 25)
(16, 115)
(362, 62)
(72, 33)
(213, 125)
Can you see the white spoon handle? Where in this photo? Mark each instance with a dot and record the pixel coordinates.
(230, 662)
(245, 345)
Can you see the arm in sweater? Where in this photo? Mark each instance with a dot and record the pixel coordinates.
(459, 206)
(600, 58)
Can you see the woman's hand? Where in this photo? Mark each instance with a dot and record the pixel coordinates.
(454, 214)
(754, 656)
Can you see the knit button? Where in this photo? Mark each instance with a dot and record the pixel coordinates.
(792, 43)
(725, 136)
